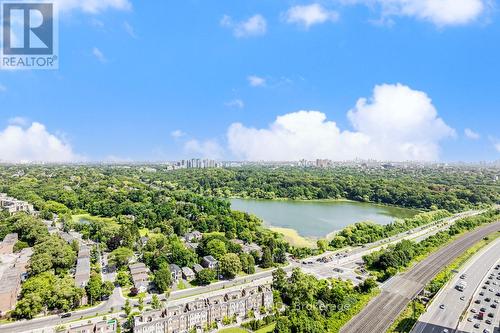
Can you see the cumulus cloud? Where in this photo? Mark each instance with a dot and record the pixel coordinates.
(177, 134)
(92, 6)
(253, 26)
(34, 144)
(439, 12)
(396, 123)
(204, 149)
(236, 103)
(99, 55)
(470, 134)
(309, 15)
(256, 81)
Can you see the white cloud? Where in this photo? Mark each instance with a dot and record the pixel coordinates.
(256, 81)
(177, 134)
(2, 88)
(34, 144)
(470, 134)
(253, 26)
(20, 121)
(236, 103)
(92, 6)
(497, 146)
(130, 30)
(397, 123)
(204, 149)
(99, 55)
(439, 12)
(309, 15)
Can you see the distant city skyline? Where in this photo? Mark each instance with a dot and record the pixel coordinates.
(250, 81)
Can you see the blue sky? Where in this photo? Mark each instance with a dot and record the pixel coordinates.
(163, 80)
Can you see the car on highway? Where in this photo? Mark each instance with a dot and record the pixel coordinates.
(493, 305)
(463, 276)
(487, 321)
(491, 315)
(473, 310)
(482, 309)
(476, 325)
(487, 299)
(477, 301)
(66, 315)
(442, 306)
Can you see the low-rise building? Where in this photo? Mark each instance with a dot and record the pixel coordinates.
(10, 282)
(209, 262)
(140, 276)
(7, 245)
(188, 274)
(193, 236)
(82, 273)
(197, 268)
(200, 313)
(176, 272)
(247, 248)
(13, 205)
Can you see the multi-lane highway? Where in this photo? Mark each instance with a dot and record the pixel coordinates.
(449, 304)
(381, 312)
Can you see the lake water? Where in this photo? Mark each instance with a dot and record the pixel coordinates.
(318, 218)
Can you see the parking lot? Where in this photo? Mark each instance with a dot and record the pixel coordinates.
(483, 313)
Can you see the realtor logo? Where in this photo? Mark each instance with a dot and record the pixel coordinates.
(29, 35)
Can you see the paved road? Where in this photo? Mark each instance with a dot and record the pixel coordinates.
(435, 319)
(488, 289)
(116, 301)
(381, 312)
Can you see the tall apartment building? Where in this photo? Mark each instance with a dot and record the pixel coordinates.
(200, 313)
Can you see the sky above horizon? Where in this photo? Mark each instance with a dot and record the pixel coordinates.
(261, 80)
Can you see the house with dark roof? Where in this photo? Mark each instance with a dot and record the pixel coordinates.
(176, 272)
(209, 262)
(188, 274)
(197, 268)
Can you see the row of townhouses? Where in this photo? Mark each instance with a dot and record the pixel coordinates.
(12, 205)
(201, 313)
(13, 270)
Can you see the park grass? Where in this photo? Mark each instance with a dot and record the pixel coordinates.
(267, 329)
(407, 319)
(293, 237)
(233, 330)
(78, 217)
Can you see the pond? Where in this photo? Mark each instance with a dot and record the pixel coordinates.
(318, 218)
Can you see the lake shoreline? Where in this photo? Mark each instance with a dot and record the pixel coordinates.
(304, 222)
(419, 210)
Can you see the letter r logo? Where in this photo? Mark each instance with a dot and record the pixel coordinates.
(28, 28)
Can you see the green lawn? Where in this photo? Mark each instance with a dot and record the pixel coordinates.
(267, 329)
(233, 330)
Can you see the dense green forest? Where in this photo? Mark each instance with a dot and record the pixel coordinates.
(314, 305)
(453, 189)
(121, 206)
